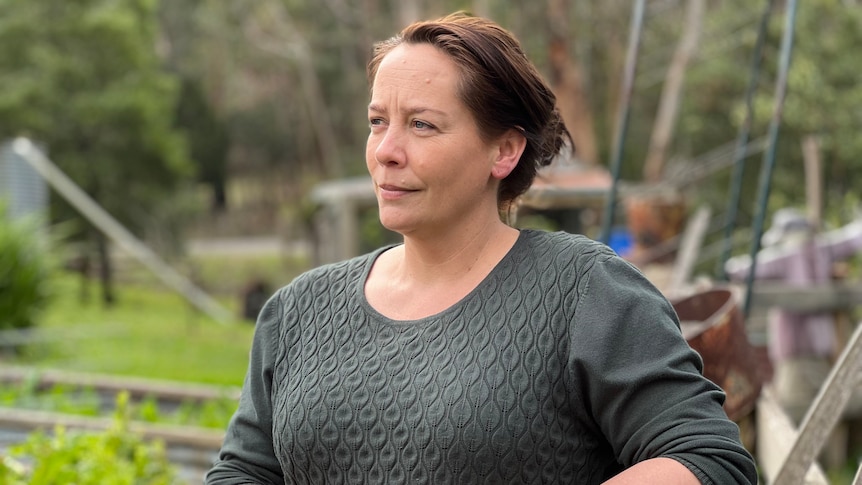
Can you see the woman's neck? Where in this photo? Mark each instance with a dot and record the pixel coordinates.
(453, 256)
(422, 278)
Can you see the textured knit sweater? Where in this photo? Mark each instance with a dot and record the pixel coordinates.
(564, 365)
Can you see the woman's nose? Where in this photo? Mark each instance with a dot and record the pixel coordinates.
(390, 149)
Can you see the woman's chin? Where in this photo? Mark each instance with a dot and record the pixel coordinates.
(394, 224)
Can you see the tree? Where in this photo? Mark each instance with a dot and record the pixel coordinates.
(662, 133)
(824, 98)
(568, 85)
(207, 138)
(84, 79)
(205, 128)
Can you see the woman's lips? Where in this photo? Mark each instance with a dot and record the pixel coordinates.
(392, 192)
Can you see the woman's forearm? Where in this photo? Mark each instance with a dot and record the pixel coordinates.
(664, 471)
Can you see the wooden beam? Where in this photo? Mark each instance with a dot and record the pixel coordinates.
(118, 233)
(824, 413)
(775, 434)
(816, 298)
(692, 240)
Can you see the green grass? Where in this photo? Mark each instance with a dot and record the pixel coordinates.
(150, 332)
(227, 276)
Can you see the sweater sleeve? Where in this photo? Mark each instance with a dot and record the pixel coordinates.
(247, 456)
(643, 383)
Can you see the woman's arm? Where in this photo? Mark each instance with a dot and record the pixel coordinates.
(643, 383)
(658, 471)
(247, 455)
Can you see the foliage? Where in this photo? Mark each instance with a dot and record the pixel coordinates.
(85, 401)
(57, 399)
(84, 79)
(25, 265)
(825, 96)
(276, 88)
(116, 456)
(824, 99)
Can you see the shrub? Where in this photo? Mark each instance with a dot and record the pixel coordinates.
(116, 456)
(24, 270)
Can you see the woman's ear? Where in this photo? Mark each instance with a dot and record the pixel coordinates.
(510, 147)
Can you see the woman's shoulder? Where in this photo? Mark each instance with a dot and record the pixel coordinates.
(578, 257)
(564, 245)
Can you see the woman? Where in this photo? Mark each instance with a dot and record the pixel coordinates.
(472, 352)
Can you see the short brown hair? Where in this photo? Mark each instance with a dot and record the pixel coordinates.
(499, 85)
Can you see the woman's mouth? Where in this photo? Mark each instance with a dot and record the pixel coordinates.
(392, 192)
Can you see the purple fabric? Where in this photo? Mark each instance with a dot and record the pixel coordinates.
(801, 263)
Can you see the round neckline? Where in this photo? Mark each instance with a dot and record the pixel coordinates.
(372, 312)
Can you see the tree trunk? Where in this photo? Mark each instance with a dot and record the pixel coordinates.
(481, 8)
(567, 84)
(219, 196)
(408, 11)
(106, 270)
(672, 92)
(273, 30)
(614, 13)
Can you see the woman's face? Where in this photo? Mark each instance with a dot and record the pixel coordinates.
(431, 168)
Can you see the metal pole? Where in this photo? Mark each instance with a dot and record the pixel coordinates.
(769, 155)
(623, 116)
(742, 141)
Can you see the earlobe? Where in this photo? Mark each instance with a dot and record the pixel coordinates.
(512, 145)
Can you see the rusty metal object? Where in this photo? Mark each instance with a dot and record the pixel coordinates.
(655, 220)
(712, 324)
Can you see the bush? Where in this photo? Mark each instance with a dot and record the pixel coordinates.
(24, 270)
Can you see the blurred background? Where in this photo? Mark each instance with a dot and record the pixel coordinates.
(192, 119)
(225, 139)
(165, 165)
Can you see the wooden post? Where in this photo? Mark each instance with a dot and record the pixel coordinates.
(813, 184)
(858, 479)
(692, 239)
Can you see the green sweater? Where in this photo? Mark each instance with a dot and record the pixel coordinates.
(565, 365)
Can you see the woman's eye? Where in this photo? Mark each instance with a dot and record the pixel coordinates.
(375, 121)
(421, 125)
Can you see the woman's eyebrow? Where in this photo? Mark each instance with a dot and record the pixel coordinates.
(410, 111)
